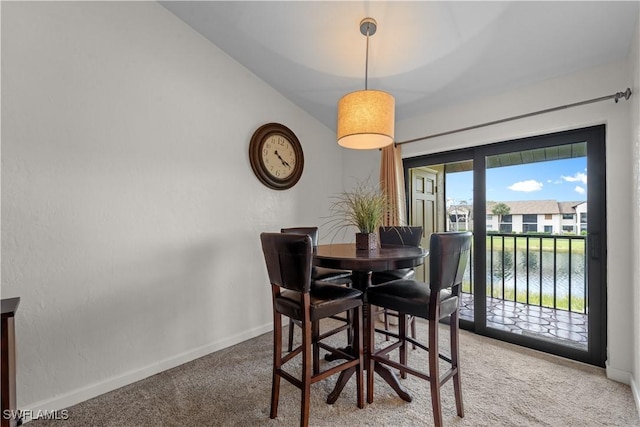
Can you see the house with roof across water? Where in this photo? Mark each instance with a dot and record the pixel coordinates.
(526, 216)
(539, 216)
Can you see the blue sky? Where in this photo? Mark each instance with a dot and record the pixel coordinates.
(561, 180)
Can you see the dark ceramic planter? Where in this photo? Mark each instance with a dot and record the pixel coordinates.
(366, 241)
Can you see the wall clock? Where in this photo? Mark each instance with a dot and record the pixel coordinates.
(276, 156)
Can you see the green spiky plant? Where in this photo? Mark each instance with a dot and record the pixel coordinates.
(363, 207)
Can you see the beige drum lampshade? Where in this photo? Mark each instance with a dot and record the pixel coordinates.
(366, 119)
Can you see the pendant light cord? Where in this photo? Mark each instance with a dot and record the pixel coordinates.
(366, 63)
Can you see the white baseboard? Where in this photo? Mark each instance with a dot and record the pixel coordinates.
(625, 378)
(80, 395)
(618, 375)
(636, 394)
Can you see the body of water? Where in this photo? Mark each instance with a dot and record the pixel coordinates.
(564, 274)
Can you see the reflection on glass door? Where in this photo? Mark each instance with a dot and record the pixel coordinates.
(458, 189)
(442, 200)
(424, 184)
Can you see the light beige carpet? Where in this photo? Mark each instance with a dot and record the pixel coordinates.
(502, 384)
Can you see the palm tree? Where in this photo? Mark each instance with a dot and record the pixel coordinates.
(500, 209)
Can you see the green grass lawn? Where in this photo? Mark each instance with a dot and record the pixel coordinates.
(562, 303)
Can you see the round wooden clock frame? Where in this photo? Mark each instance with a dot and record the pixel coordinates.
(262, 151)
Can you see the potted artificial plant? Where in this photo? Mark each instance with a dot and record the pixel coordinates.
(365, 208)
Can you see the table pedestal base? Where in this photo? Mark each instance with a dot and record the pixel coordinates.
(361, 281)
(384, 372)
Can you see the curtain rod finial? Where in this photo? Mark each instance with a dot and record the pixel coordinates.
(626, 95)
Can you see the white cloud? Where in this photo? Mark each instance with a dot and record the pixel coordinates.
(577, 177)
(579, 190)
(526, 186)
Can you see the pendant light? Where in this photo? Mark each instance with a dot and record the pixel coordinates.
(366, 118)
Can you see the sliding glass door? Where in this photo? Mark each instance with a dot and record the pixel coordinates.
(537, 210)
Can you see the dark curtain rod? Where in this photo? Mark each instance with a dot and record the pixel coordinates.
(626, 95)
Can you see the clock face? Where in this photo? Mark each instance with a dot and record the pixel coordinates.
(276, 156)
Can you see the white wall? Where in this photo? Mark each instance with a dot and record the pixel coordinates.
(574, 88)
(634, 67)
(130, 213)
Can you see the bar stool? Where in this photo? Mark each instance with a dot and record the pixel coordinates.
(288, 258)
(404, 236)
(319, 276)
(439, 299)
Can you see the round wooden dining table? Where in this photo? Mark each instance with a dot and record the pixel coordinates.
(345, 256)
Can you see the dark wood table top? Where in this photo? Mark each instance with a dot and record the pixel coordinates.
(344, 256)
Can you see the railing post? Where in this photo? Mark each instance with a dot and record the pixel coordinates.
(585, 304)
(502, 267)
(515, 268)
(540, 268)
(527, 267)
(555, 271)
(569, 275)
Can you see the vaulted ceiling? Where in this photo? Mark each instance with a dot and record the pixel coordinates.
(427, 54)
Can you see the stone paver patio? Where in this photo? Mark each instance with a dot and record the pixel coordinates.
(560, 326)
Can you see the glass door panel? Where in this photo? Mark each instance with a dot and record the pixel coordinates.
(535, 250)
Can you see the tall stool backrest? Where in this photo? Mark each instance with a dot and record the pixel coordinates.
(288, 258)
(310, 231)
(448, 258)
(405, 236)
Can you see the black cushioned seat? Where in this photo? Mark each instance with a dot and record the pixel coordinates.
(325, 301)
(410, 296)
(331, 275)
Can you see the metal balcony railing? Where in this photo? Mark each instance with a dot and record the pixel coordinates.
(537, 269)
